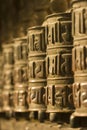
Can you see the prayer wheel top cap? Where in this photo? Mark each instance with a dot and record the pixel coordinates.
(35, 28)
(7, 44)
(75, 1)
(20, 38)
(60, 15)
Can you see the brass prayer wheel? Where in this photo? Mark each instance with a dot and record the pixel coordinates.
(8, 55)
(20, 50)
(37, 71)
(1, 83)
(20, 75)
(79, 54)
(8, 83)
(58, 65)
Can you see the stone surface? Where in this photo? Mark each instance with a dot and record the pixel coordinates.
(33, 125)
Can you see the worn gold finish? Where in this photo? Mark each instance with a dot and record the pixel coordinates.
(79, 29)
(20, 75)
(37, 69)
(58, 65)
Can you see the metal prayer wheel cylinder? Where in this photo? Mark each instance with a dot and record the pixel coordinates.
(1, 101)
(59, 65)
(20, 50)
(37, 71)
(8, 83)
(20, 75)
(7, 100)
(79, 21)
(79, 56)
(1, 83)
(8, 55)
(21, 86)
(36, 98)
(20, 100)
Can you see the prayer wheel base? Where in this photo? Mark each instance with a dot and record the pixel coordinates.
(37, 115)
(60, 117)
(21, 115)
(77, 120)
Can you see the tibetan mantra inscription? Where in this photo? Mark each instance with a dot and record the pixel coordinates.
(20, 75)
(37, 69)
(79, 65)
(58, 65)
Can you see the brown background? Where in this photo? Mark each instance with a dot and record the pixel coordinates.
(17, 15)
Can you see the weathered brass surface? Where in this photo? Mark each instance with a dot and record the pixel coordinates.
(79, 29)
(58, 64)
(1, 82)
(37, 69)
(20, 75)
(8, 84)
(45, 73)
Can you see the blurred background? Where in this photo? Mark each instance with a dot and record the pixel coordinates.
(17, 15)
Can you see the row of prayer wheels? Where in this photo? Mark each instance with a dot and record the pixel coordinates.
(45, 72)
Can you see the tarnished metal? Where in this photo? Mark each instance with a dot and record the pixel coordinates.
(1, 83)
(20, 50)
(79, 29)
(20, 75)
(8, 78)
(37, 71)
(58, 65)
(8, 55)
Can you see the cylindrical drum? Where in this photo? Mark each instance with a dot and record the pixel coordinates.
(8, 55)
(37, 71)
(59, 65)
(8, 83)
(1, 83)
(79, 29)
(20, 50)
(20, 75)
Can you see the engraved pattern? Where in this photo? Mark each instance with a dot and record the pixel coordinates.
(37, 69)
(59, 32)
(51, 95)
(80, 95)
(21, 74)
(60, 96)
(79, 22)
(36, 95)
(79, 58)
(77, 94)
(84, 95)
(20, 52)
(59, 64)
(8, 77)
(7, 99)
(37, 40)
(8, 55)
(20, 99)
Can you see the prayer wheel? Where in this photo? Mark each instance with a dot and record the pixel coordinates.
(1, 83)
(59, 65)
(20, 76)
(37, 70)
(8, 83)
(79, 55)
